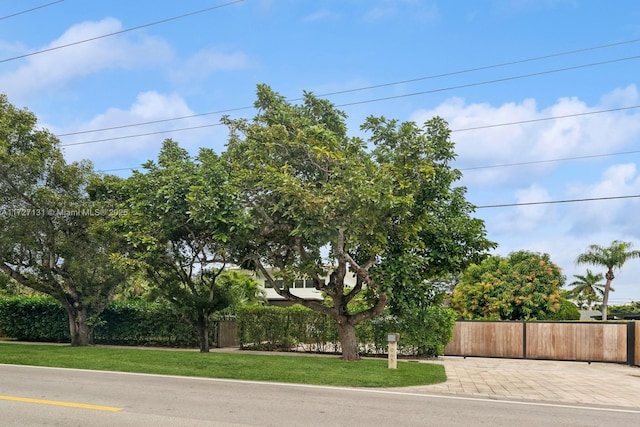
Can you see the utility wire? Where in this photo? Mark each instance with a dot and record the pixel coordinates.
(522, 76)
(533, 162)
(557, 201)
(565, 116)
(154, 121)
(366, 87)
(162, 21)
(139, 135)
(30, 10)
(547, 118)
(486, 82)
(486, 67)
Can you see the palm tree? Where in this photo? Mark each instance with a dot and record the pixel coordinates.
(587, 288)
(612, 257)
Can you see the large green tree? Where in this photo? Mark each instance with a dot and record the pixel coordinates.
(326, 205)
(522, 286)
(611, 257)
(52, 234)
(180, 222)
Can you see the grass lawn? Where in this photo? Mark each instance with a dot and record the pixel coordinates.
(277, 368)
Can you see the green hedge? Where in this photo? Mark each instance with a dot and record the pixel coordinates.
(33, 318)
(423, 332)
(43, 319)
(139, 322)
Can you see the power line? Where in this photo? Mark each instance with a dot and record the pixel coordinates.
(154, 122)
(384, 99)
(468, 70)
(381, 99)
(31, 10)
(162, 21)
(557, 201)
(534, 162)
(486, 67)
(547, 118)
(486, 82)
(115, 170)
(139, 135)
(565, 116)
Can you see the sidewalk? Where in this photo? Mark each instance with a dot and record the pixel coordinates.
(549, 381)
(597, 384)
(559, 382)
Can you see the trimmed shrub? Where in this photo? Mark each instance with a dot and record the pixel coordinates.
(33, 318)
(296, 328)
(136, 322)
(567, 311)
(274, 328)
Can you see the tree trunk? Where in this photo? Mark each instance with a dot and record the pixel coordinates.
(79, 330)
(203, 333)
(605, 296)
(348, 341)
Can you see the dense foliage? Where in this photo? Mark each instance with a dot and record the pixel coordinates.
(293, 197)
(325, 205)
(633, 307)
(33, 318)
(52, 235)
(566, 311)
(180, 225)
(425, 333)
(136, 322)
(522, 286)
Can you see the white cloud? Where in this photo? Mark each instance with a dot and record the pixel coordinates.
(615, 215)
(420, 10)
(377, 13)
(130, 152)
(621, 97)
(527, 217)
(205, 62)
(563, 230)
(54, 69)
(12, 49)
(535, 139)
(317, 16)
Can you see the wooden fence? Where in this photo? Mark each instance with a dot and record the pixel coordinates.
(617, 342)
(637, 345)
(227, 334)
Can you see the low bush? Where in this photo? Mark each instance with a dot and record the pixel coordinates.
(33, 318)
(567, 311)
(136, 322)
(422, 333)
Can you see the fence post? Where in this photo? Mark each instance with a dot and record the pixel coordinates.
(631, 343)
(524, 340)
(227, 334)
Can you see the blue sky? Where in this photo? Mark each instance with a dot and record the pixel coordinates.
(496, 61)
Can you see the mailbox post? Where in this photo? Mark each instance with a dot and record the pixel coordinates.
(392, 341)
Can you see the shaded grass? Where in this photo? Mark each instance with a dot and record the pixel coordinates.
(277, 368)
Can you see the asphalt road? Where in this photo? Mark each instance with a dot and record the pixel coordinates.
(31, 396)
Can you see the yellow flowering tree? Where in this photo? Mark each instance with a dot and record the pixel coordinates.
(523, 286)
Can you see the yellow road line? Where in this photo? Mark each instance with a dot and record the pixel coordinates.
(59, 403)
